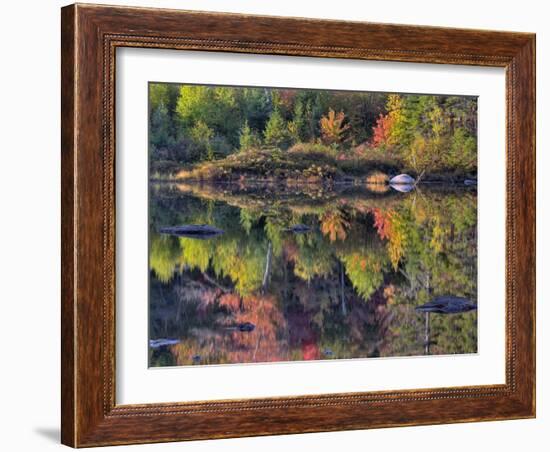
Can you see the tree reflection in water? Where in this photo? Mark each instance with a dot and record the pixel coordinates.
(314, 273)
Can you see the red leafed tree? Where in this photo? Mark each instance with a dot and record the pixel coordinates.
(382, 223)
(381, 131)
(262, 344)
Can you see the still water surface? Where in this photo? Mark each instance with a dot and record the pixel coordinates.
(308, 272)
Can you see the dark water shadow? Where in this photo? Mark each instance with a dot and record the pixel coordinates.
(50, 433)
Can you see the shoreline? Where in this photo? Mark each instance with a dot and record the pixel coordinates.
(350, 181)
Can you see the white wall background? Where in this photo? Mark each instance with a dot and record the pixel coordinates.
(30, 225)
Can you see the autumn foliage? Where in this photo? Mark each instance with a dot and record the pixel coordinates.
(334, 225)
(333, 129)
(381, 132)
(390, 227)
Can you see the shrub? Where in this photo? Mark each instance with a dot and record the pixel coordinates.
(377, 177)
(313, 150)
(220, 147)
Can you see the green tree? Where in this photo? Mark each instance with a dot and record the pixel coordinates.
(296, 127)
(247, 138)
(163, 93)
(276, 133)
(433, 132)
(202, 135)
(193, 104)
(463, 150)
(255, 106)
(163, 256)
(160, 128)
(214, 106)
(162, 101)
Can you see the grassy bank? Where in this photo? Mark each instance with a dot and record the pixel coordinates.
(299, 164)
(310, 163)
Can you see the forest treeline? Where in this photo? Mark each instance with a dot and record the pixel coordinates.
(192, 125)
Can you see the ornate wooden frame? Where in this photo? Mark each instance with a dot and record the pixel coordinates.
(90, 35)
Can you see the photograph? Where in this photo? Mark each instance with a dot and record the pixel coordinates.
(303, 224)
(277, 220)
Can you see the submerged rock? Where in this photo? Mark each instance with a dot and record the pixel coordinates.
(197, 231)
(298, 229)
(402, 187)
(245, 327)
(447, 304)
(156, 343)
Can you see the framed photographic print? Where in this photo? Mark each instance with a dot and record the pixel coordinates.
(281, 225)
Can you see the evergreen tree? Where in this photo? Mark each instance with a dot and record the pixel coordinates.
(297, 125)
(160, 133)
(276, 133)
(247, 139)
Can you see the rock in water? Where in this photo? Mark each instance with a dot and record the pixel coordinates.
(447, 304)
(156, 343)
(403, 188)
(402, 179)
(196, 231)
(298, 229)
(246, 327)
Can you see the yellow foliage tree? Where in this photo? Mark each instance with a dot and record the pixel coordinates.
(334, 224)
(333, 128)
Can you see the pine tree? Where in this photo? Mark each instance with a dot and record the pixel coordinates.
(246, 137)
(160, 127)
(276, 133)
(297, 125)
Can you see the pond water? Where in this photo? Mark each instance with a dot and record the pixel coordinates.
(308, 272)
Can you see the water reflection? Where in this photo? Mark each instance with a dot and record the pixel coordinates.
(314, 272)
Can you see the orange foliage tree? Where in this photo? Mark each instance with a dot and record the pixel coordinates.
(334, 224)
(333, 129)
(262, 344)
(389, 226)
(381, 132)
